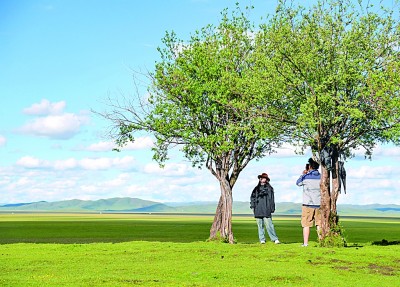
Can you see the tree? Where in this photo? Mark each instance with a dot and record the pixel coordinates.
(341, 66)
(195, 101)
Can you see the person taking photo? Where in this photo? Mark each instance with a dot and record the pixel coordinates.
(310, 211)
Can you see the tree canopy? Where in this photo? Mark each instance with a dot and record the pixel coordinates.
(341, 65)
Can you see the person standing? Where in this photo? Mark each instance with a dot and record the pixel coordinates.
(310, 211)
(262, 202)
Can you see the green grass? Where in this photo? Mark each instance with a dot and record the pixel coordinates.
(91, 228)
(165, 250)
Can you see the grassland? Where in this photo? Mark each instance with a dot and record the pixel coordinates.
(166, 250)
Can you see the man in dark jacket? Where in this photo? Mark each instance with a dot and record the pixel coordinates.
(262, 202)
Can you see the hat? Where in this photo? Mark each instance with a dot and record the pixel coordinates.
(264, 175)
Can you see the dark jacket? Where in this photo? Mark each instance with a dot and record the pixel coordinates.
(262, 200)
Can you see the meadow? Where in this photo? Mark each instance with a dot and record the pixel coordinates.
(171, 250)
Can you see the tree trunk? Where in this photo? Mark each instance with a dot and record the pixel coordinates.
(216, 226)
(221, 228)
(335, 186)
(325, 202)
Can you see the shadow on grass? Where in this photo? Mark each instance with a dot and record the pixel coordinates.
(385, 242)
(354, 245)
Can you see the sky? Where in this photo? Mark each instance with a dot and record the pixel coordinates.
(61, 59)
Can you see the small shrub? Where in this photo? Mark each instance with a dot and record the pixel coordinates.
(335, 237)
(220, 238)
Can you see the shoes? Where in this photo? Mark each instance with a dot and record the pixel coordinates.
(276, 242)
(304, 245)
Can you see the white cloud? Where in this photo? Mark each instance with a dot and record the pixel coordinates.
(62, 126)
(120, 180)
(88, 188)
(359, 152)
(140, 143)
(21, 183)
(101, 146)
(33, 179)
(69, 163)
(107, 163)
(126, 162)
(51, 121)
(287, 150)
(32, 162)
(103, 163)
(163, 191)
(170, 169)
(45, 107)
(95, 163)
(3, 141)
(368, 172)
(387, 151)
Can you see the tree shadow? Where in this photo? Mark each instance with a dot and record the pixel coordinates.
(354, 245)
(385, 242)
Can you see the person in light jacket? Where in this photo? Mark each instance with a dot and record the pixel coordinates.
(310, 211)
(262, 202)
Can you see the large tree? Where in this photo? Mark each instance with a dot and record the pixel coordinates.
(340, 65)
(195, 101)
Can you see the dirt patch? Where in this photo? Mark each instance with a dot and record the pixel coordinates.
(291, 280)
(346, 268)
(383, 270)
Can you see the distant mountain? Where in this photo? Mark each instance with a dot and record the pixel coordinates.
(16, 204)
(118, 204)
(127, 204)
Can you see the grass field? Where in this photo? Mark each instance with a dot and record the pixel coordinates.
(166, 250)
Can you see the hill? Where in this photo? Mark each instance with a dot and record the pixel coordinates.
(117, 204)
(127, 204)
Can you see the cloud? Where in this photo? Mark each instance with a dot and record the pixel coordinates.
(163, 191)
(33, 179)
(106, 163)
(45, 107)
(387, 151)
(51, 121)
(70, 163)
(101, 146)
(120, 180)
(3, 141)
(287, 150)
(102, 163)
(140, 143)
(32, 162)
(171, 169)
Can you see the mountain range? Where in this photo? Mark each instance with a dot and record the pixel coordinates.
(136, 205)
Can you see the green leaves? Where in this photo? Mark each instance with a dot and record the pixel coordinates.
(337, 61)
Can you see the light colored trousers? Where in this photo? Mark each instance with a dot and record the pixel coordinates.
(269, 225)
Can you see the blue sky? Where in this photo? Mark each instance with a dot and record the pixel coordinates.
(60, 59)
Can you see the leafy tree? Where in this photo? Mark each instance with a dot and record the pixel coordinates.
(196, 101)
(340, 65)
